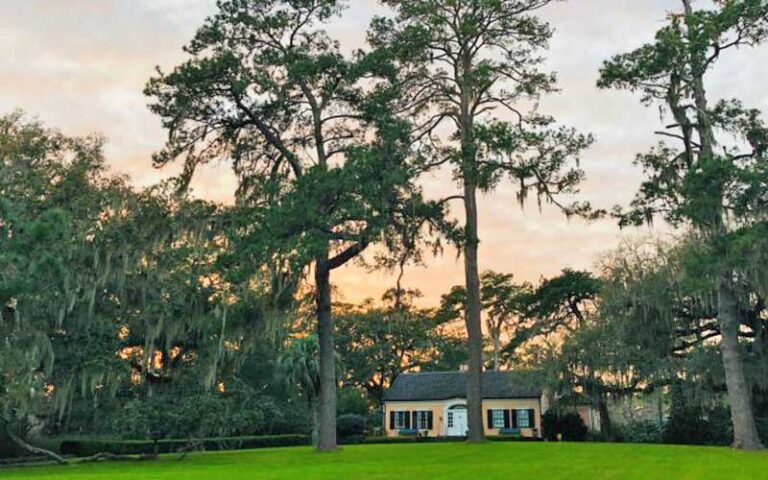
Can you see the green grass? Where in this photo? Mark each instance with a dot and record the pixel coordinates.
(538, 461)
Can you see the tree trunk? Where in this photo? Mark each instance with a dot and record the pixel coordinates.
(473, 311)
(37, 450)
(745, 434)
(327, 401)
(606, 425)
(313, 422)
(473, 318)
(739, 395)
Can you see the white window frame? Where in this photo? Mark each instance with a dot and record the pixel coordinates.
(400, 419)
(497, 417)
(422, 420)
(524, 414)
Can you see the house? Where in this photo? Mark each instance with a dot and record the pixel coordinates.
(434, 404)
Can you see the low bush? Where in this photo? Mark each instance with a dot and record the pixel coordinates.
(240, 411)
(762, 429)
(88, 447)
(351, 425)
(640, 431)
(396, 440)
(415, 439)
(352, 401)
(510, 438)
(8, 449)
(568, 424)
(699, 426)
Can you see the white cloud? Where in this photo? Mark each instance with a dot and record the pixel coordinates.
(81, 65)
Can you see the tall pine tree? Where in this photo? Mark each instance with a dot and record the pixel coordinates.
(475, 78)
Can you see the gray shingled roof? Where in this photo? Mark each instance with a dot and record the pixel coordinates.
(445, 385)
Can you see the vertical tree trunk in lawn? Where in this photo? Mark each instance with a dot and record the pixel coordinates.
(473, 319)
(473, 311)
(327, 400)
(745, 434)
(739, 394)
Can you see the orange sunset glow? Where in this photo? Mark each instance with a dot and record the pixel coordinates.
(81, 65)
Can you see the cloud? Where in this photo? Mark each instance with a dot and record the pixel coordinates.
(81, 65)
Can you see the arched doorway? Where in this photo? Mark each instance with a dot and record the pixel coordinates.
(456, 420)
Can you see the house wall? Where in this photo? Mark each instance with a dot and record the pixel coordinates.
(517, 404)
(590, 416)
(438, 409)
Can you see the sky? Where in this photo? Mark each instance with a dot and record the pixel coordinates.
(80, 66)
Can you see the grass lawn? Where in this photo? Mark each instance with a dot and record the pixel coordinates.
(539, 461)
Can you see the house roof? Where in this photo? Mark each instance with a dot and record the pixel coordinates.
(446, 385)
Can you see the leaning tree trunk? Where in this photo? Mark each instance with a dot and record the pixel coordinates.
(326, 423)
(473, 319)
(745, 434)
(36, 450)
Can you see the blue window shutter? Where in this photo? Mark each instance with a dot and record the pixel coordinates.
(513, 414)
(507, 424)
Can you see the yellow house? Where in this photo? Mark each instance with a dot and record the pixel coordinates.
(434, 404)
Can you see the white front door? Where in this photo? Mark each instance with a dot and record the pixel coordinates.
(456, 422)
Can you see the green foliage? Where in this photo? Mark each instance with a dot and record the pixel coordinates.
(114, 311)
(299, 365)
(350, 426)
(85, 448)
(200, 415)
(55, 243)
(695, 185)
(324, 167)
(269, 91)
(352, 401)
(467, 60)
(559, 306)
(376, 344)
(506, 306)
(566, 424)
(697, 426)
(641, 431)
